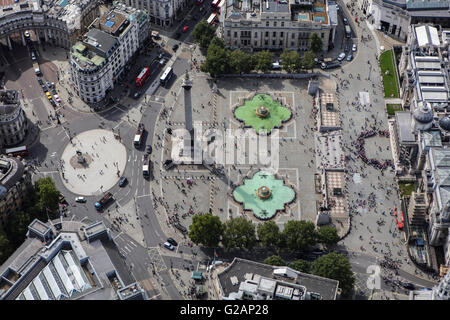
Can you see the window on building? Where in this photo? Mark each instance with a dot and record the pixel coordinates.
(266, 42)
(275, 23)
(235, 34)
(281, 34)
(274, 34)
(322, 35)
(282, 23)
(293, 36)
(273, 42)
(256, 43)
(267, 33)
(256, 34)
(267, 23)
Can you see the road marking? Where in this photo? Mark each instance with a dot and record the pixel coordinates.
(118, 124)
(118, 235)
(177, 249)
(144, 195)
(129, 158)
(132, 243)
(126, 248)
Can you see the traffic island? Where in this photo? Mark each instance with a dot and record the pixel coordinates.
(93, 162)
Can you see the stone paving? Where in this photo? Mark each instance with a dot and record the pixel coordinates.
(105, 159)
(296, 156)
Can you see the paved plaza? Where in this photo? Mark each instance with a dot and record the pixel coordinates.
(105, 158)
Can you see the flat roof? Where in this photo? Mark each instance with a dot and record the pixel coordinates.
(427, 35)
(100, 41)
(403, 120)
(327, 288)
(112, 21)
(275, 6)
(431, 79)
(435, 95)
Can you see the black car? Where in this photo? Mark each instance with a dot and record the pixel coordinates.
(40, 81)
(175, 47)
(122, 181)
(172, 242)
(408, 285)
(149, 149)
(137, 94)
(44, 87)
(52, 103)
(180, 227)
(53, 91)
(177, 35)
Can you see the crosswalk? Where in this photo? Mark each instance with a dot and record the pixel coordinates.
(156, 260)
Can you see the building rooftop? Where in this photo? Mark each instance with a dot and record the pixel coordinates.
(100, 41)
(403, 121)
(240, 270)
(113, 22)
(11, 171)
(68, 268)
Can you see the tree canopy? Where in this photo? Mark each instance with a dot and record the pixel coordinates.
(203, 33)
(291, 61)
(269, 233)
(217, 60)
(328, 236)
(275, 261)
(206, 229)
(300, 265)
(315, 43)
(239, 233)
(335, 266)
(48, 196)
(240, 62)
(308, 60)
(299, 234)
(263, 60)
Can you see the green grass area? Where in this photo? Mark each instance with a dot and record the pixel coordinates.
(389, 80)
(406, 188)
(277, 113)
(391, 108)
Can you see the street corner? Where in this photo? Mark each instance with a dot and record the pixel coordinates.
(93, 162)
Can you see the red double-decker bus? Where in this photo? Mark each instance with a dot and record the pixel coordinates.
(143, 75)
(17, 151)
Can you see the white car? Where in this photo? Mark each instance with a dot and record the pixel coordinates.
(80, 199)
(56, 98)
(27, 34)
(341, 56)
(354, 47)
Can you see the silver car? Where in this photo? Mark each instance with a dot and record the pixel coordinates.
(341, 56)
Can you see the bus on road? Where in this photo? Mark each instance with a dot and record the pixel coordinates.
(214, 3)
(138, 136)
(143, 75)
(212, 18)
(348, 31)
(17, 151)
(166, 76)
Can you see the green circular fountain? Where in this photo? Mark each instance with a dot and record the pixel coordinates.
(262, 113)
(264, 195)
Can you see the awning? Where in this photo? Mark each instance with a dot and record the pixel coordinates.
(197, 275)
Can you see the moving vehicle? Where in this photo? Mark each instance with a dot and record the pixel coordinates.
(160, 56)
(354, 47)
(99, 205)
(138, 136)
(166, 76)
(212, 18)
(56, 98)
(40, 81)
(33, 56)
(348, 31)
(155, 34)
(146, 166)
(80, 199)
(276, 66)
(169, 246)
(122, 181)
(137, 94)
(324, 65)
(27, 34)
(350, 57)
(37, 70)
(215, 3)
(17, 151)
(345, 21)
(162, 61)
(175, 47)
(185, 28)
(149, 149)
(180, 227)
(172, 242)
(142, 76)
(341, 56)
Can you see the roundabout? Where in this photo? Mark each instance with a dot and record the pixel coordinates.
(93, 162)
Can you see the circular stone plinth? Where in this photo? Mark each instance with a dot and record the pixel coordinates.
(99, 148)
(264, 192)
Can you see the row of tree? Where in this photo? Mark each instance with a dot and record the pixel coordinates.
(220, 60)
(41, 202)
(333, 266)
(209, 231)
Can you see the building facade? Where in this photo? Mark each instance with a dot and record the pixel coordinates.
(13, 121)
(15, 182)
(161, 12)
(98, 60)
(274, 25)
(395, 16)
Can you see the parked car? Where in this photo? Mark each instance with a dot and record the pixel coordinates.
(175, 47)
(122, 181)
(80, 199)
(350, 57)
(148, 149)
(53, 91)
(52, 103)
(44, 87)
(169, 246)
(162, 61)
(56, 98)
(33, 56)
(40, 81)
(354, 47)
(172, 241)
(341, 56)
(345, 21)
(160, 56)
(347, 47)
(48, 84)
(185, 28)
(324, 65)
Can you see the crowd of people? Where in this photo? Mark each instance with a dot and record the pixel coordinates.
(361, 151)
